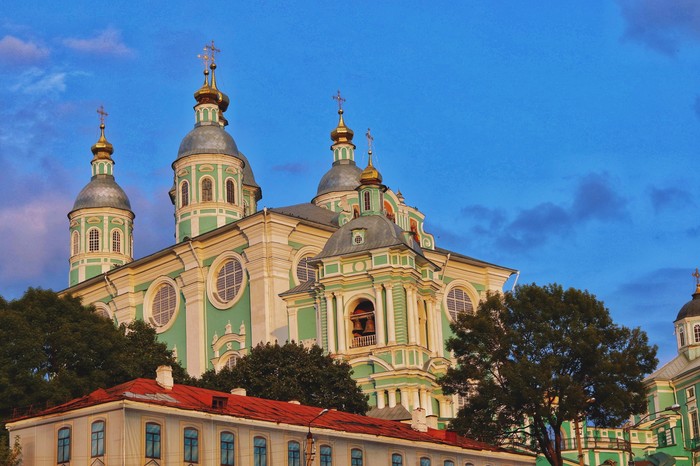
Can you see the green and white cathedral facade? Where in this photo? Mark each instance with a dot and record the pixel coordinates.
(352, 271)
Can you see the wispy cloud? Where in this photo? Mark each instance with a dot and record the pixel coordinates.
(291, 168)
(661, 25)
(669, 198)
(109, 42)
(36, 81)
(15, 51)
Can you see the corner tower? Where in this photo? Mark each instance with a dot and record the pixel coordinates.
(687, 324)
(214, 184)
(101, 221)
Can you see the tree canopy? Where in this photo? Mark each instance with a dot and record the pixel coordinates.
(53, 349)
(534, 358)
(292, 372)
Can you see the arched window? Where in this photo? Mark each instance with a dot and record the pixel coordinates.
(449, 463)
(97, 439)
(230, 192)
(396, 460)
(75, 243)
(227, 449)
(363, 330)
(152, 440)
(367, 201)
(94, 240)
(116, 241)
(389, 211)
(259, 451)
(681, 335)
(326, 455)
(355, 457)
(696, 333)
(305, 271)
(458, 301)
(184, 194)
(246, 209)
(229, 280)
(293, 454)
(63, 445)
(191, 445)
(207, 194)
(231, 362)
(425, 461)
(414, 230)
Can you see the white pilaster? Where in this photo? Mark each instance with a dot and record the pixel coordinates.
(379, 315)
(340, 321)
(390, 318)
(330, 323)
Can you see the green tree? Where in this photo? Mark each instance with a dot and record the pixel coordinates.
(534, 358)
(53, 349)
(292, 372)
(11, 456)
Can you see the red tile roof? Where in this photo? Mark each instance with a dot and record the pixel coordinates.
(199, 399)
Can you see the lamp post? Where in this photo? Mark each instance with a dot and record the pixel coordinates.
(310, 445)
(674, 408)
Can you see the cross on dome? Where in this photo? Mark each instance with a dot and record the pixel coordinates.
(696, 274)
(212, 51)
(205, 58)
(340, 100)
(370, 141)
(103, 114)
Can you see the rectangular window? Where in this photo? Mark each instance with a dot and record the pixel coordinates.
(191, 445)
(694, 424)
(396, 460)
(259, 451)
(293, 454)
(63, 453)
(152, 440)
(690, 393)
(326, 456)
(356, 457)
(661, 439)
(227, 449)
(97, 439)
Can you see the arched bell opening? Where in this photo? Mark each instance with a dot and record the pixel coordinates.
(363, 328)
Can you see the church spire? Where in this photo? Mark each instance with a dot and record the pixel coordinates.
(211, 102)
(102, 150)
(342, 135)
(371, 188)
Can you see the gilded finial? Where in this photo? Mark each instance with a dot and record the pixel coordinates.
(102, 148)
(370, 175)
(341, 134)
(696, 274)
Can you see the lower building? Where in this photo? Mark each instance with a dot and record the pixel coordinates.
(156, 422)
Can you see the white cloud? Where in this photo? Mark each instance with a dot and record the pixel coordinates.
(35, 81)
(109, 42)
(17, 51)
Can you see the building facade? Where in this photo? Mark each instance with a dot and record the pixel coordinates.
(158, 423)
(353, 270)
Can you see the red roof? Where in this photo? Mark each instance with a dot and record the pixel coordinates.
(200, 399)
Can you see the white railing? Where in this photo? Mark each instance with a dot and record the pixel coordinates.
(366, 340)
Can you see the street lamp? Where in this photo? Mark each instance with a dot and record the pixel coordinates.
(310, 445)
(674, 407)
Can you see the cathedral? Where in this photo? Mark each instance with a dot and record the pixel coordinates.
(351, 270)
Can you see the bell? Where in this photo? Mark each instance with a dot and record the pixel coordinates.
(357, 326)
(369, 327)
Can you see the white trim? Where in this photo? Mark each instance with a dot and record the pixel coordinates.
(467, 287)
(148, 303)
(212, 292)
(306, 251)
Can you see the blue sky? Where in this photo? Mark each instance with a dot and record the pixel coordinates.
(558, 138)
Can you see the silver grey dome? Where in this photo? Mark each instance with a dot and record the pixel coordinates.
(207, 139)
(380, 232)
(102, 191)
(344, 175)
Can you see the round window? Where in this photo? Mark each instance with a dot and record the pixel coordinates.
(163, 306)
(229, 280)
(458, 302)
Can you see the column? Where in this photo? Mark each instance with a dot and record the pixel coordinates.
(440, 347)
(423, 393)
(392, 397)
(379, 314)
(404, 397)
(380, 399)
(416, 398)
(411, 314)
(330, 323)
(340, 321)
(432, 325)
(293, 324)
(390, 320)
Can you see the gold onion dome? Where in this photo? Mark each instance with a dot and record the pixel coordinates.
(370, 175)
(342, 134)
(102, 148)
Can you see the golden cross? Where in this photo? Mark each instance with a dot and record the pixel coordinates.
(370, 140)
(696, 274)
(103, 114)
(212, 51)
(339, 99)
(204, 57)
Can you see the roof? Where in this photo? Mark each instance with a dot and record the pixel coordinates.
(691, 308)
(470, 260)
(676, 367)
(190, 398)
(305, 287)
(344, 175)
(311, 212)
(397, 413)
(102, 191)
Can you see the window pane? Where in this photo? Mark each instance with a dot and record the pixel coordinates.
(355, 457)
(94, 240)
(229, 280)
(293, 456)
(152, 440)
(97, 439)
(326, 456)
(425, 462)
(164, 304)
(396, 460)
(191, 445)
(259, 451)
(63, 445)
(227, 449)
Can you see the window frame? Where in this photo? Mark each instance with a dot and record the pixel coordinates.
(149, 300)
(681, 335)
(229, 453)
(75, 242)
(184, 193)
(63, 445)
(696, 333)
(117, 240)
(396, 459)
(97, 443)
(260, 451)
(94, 243)
(469, 291)
(293, 453)
(356, 460)
(325, 459)
(190, 445)
(230, 186)
(154, 440)
(212, 279)
(206, 193)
